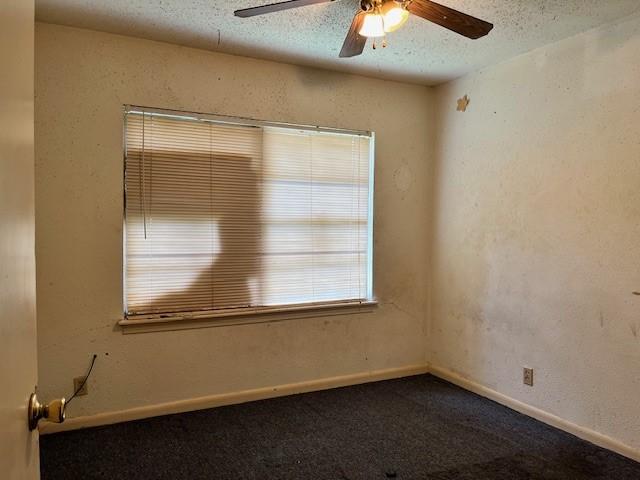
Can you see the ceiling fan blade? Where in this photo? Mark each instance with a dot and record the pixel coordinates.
(276, 7)
(354, 43)
(451, 19)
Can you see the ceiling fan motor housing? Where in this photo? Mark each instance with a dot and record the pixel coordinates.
(367, 5)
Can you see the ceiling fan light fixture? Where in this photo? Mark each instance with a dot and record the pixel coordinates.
(373, 26)
(374, 18)
(394, 16)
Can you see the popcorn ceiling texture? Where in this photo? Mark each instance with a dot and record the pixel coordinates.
(420, 52)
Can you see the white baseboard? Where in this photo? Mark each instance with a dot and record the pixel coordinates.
(545, 417)
(229, 399)
(219, 400)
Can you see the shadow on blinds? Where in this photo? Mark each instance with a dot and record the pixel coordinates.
(229, 216)
(227, 256)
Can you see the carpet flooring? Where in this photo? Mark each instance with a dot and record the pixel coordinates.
(412, 428)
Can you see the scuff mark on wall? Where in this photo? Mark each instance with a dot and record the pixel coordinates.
(403, 178)
(401, 309)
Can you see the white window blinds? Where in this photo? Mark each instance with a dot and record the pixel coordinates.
(225, 216)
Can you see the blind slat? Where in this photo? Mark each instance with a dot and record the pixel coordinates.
(225, 216)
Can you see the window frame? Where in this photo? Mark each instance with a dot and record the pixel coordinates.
(133, 323)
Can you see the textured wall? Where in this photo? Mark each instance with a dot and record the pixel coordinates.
(537, 222)
(82, 80)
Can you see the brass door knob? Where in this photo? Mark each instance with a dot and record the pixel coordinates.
(53, 411)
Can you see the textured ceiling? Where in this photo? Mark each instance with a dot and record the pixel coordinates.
(421, 52)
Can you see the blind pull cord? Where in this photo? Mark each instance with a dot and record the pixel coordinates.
(143, 181)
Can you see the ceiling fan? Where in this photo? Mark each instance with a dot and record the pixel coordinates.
(378, 17)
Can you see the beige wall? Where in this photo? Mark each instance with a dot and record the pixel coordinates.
(82, 80)
(537, 227)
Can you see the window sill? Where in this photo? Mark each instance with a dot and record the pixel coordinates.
(184, 321)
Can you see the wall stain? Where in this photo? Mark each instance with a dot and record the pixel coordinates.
(477, 318)
(463, 103)
(403, 178)
(634, 329)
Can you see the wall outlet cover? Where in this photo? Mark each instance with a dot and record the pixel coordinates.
(76, 384)
(527, 377)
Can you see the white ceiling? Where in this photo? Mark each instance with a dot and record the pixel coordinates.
(421, 52)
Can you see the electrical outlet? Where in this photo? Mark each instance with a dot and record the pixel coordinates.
(527, 376)
(76, 385)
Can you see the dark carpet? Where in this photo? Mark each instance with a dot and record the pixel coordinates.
(413, 428)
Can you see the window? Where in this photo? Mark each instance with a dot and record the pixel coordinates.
(235, 216)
